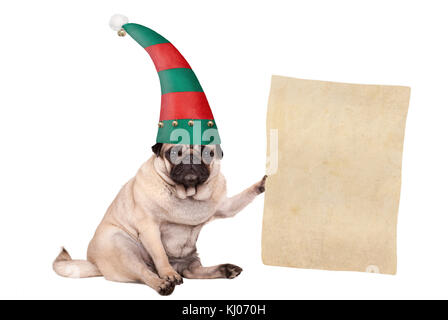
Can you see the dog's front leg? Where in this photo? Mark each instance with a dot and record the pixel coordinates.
(231, 206)
(151, 240)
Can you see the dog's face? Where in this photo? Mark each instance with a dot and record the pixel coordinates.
(189, 165)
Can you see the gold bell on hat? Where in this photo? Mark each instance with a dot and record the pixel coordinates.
(175, 123)
(210, 124)
(121, 32)
(191, 123)
(160, 124)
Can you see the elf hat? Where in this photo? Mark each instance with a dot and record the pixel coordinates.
(185, 115)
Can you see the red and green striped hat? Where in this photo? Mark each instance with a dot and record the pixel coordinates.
(185, 115)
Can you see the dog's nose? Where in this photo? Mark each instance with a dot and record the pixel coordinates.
(191, 179)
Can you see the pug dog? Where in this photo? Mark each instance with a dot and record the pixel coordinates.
(148, 234)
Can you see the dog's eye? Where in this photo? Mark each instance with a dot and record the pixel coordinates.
(175, 154)
(207, 155)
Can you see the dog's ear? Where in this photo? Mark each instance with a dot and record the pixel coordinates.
(157, 148)
(219, 152)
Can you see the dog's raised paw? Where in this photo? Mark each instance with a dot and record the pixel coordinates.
(261, 185)
(230, 271)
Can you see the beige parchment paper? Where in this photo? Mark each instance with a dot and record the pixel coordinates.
(332, 202)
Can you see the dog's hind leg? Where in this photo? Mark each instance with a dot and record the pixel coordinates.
(197, 271)
(122, 261)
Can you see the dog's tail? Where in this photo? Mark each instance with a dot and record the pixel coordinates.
(64, 266)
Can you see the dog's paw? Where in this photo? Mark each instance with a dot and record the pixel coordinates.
(170, 275)
(166, 287)
(260, 186)
(230, 271)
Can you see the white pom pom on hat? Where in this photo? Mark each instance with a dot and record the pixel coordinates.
(117, 21)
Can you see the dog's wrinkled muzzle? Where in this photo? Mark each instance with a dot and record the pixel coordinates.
(190, 180)
(190, 172)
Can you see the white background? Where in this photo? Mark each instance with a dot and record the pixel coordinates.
(79, 108)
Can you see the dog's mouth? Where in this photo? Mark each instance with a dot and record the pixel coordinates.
(191, 191)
